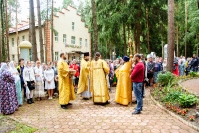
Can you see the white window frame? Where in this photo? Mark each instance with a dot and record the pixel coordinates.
(13, 57)
(23, 38)
(73, 25)
(13, 42)
(86, 42)
(73, 40)
(80, 41)
(56, 37)
(64, 38)
(56, 55)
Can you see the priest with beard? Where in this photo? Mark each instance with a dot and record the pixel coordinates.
(124, 90)
(84, 83)
(66, 88)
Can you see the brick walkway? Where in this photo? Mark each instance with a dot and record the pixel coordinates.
(192, 85)
(84, 117)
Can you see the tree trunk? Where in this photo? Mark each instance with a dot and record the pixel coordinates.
(17, 38)
(124, 37)
(148, 36)
(137, 33)
(32, 27)
(46, 33)
(1, 2)
(171, 28)
(7, 29)
(52, 52)
(40, 32)
(95, 25)
(3, 54)
(186, 27)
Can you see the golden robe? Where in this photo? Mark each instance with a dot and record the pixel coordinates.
(66, 88)
(124, 85)
(99, 86)
(83, 79)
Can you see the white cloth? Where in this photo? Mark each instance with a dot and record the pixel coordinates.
(28, 74)
(14, 71)
(87, 94)
(49, 77)
(40, 72)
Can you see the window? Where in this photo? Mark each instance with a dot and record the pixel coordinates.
(23, 38)
(72, 39)
(80, 41)
(56, 37)
(56, 55)
(64, 38)
(73, 26)
(13, 42)
(86, 43)
(13, 57)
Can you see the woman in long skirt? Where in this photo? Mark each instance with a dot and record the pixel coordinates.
(39, 85)
(17, 82)
(49, 80)
(8, 97)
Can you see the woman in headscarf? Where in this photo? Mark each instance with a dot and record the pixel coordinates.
(17, 82)
(39, 86)
(8, 97)
(29, 82)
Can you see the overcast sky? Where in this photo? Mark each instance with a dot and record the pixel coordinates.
(24, 4)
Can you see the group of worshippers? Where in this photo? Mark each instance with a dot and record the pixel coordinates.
(93, 81)
(24, 78)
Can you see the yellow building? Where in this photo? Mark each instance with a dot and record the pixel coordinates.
(70, 36)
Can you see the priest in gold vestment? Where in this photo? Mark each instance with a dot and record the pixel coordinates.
(84, 83)
(99, 86)
(124, 90)
(66, 89)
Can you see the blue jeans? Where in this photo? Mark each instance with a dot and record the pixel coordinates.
(137, 89)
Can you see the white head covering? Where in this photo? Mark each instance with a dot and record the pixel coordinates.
(4, 67)
(14, 70)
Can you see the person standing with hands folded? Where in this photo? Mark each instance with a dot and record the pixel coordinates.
(137, 77)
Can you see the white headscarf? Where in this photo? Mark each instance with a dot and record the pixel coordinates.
(14, 70)
(4, 67)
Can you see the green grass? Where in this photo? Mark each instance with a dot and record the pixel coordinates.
(21, 128)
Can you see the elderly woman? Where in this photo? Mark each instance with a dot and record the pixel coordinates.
(17, 82)
(8, 97)
(39, 85)
(29, 82)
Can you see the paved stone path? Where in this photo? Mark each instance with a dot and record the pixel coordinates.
(192, 85)
(84, 117)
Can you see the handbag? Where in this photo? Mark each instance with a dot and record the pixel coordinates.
(31, 84)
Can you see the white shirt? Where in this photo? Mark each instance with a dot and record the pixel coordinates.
(40, 72)
(49, 74)
(28, 74)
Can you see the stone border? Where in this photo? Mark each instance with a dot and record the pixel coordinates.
(174, 115)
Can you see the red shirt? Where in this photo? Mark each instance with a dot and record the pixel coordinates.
(138, 73)
(76, 68)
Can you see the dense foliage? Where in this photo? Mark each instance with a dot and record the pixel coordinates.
(165, 78)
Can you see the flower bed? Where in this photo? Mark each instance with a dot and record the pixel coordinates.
(175, 98)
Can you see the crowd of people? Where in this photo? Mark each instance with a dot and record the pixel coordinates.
(89, 78)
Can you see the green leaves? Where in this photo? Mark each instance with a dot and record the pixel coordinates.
(187, 100)
(165, 78)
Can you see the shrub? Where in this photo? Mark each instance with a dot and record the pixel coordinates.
(165, 78)
(193, 74)
(172, 96)
(187, 100)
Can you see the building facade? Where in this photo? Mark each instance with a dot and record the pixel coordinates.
(70, 36)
